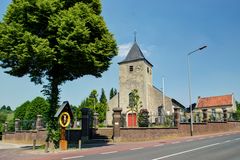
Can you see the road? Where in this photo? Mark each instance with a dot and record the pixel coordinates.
(218, 147)
(224, 146)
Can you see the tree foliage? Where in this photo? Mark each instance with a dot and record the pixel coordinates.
(102, 107)
(57, 41)
(143, 116)
(5, 109)
(28, 111)
(38, 106)
(3, 118)
(113, 92)
(21, 110)
(134, 102)
(99, 106)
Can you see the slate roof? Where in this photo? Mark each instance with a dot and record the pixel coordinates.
(65, 106)
(135, 54)
(215, 101)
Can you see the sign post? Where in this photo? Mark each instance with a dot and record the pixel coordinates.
(65, 116)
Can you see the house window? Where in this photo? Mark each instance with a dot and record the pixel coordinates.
(147, 70)
(130, 68)
(214, 114)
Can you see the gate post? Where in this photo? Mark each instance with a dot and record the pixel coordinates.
(225, 115)
(17, 124)
(39, 124)
(205, 115)
(176, 117)
(116, 123)
(85, 124)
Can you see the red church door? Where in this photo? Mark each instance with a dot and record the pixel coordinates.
(132, 120)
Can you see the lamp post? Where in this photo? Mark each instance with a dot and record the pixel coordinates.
(189, 87)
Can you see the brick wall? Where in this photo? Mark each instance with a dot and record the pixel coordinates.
(102, 133)
(127, 134)
(144, 134)
(25, 137)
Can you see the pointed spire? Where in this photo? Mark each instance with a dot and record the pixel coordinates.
(135, 53)
(135, 36)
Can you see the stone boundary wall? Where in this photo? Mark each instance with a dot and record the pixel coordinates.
(126, 134)
(145, 134)
(25, 137)
(102, 133)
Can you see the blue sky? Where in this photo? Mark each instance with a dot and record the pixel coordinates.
(166, 32)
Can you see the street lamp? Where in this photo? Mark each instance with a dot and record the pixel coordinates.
(189, 87)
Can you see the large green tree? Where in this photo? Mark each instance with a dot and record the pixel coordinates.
(57, 41)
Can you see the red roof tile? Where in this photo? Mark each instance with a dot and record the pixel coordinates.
(216, 101)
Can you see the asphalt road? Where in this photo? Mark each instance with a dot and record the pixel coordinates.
(219, 147)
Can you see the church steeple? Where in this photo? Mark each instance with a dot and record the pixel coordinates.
(135, 36)
(135, 54)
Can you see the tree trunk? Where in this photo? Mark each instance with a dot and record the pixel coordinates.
(52, 91)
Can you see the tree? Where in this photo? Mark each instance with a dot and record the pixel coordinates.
(134, 103)
(143, 116)
(3, 108)
(57, 41)
(102, 107)
(90, 102)
(3, 118)
(38, 106)
(113, 92)
(21, 110)
(8, 108)
(238, 106)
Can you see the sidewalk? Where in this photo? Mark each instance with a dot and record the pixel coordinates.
(12, 146)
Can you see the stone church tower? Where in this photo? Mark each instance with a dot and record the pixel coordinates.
(135, 72)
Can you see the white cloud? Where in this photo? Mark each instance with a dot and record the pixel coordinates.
(123, 49)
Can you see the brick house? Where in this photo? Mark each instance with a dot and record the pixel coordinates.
(216, 104)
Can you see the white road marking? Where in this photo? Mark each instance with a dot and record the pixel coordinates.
(191, 150)
(158, 145)
(133, 149)
(227, 141)
(72, 157)
(109, 152)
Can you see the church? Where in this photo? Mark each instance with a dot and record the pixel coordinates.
(135, 72)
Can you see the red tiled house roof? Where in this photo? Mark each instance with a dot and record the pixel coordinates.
(215, 101)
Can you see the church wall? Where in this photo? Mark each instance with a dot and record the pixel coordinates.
(136, 79)
(155, 100)
(112, 103)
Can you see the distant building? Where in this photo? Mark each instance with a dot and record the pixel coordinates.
(135, 72)
(216, 104)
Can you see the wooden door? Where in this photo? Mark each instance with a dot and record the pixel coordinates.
(132, 120)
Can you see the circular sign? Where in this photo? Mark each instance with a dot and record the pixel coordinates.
(64, 119)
